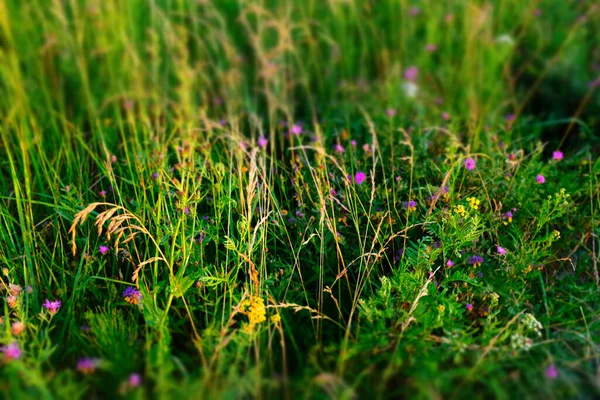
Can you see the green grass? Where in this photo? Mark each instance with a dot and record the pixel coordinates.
(271, 271)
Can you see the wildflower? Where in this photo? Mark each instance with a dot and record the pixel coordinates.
(132, 295)
(52, 306)
(508, 216)
(501, 250)
(411, 73)
(263, 142)
(505, 39)
(296, 130)
(14, 290)
(11, 352)
(460, 210)
(390, 112)
(551, 372)
(353, 143)
(275, 318)
(29, 289)
(155, 175)
(102, 193)
(445, 116)
(430, 48)
(470, 164)
(411, 205)
(474, 203)
(469, 307)
(17, 328)
(540, 179)
(255, 309)
(360, 177)
(476, 261)
(5, 271)
(338, 148)
(134, 380)
(103, 249)
(557, 155)
(366, 148)
(449, 263)
(87, 366)
(12, 301)
(410, 89)
(441, 309)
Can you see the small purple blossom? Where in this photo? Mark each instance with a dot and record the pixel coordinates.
(11, 352)
(411, 205)
(263, 142)
(155, 175)
(411, 74)
(557, 155)
(360, 177)
(475, 261)
(353, 143)
(338, 148)
(540, 179)
(134, 380)
(390, 112)
(296, 129)
(470, 164)
(87, 365)
(501, 250)
(449, 263)
(469, 307)
(103, 249)
(132, 295)
(52, 306)
(551, 372)
(102, 193)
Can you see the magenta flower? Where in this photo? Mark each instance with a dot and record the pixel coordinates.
(445, 116)
(411, 73)
(132, 295)
(430, 48)
(540, 179)
(52, 306)
(557, 155)
(102, 193)
(103, 249)
(501, 250)
(134, 380)
(11, 352)
(470, 164)
(87, 365)
(411, 205)
(390, 112)
(449, 263)
(551, 372)
(338, 148)
(360, 177)
(263, 142)
(155, 175)
(353, 143)
(296, 129)
(475, 261)
(469, 306)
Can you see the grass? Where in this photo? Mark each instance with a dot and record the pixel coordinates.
(274, 199)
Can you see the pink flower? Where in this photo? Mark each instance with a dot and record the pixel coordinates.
(360, 177)
(445, 116)
(353, 143)
(52, 306)
(103, 249)
(390, 112)
(501, 250)
(11, 352)
(430, 48)
(469, 306)
(135, 380)
(411, 73)
(540, 179)
(296, 130)
(338, 148)
(449, 263)
(551, 372)
(470, 164)
(102, 193)
(263, 142)
(557, 155)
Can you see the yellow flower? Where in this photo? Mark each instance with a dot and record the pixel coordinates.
(460, 210)
(474, 203)
(255, 309)
(275, 318)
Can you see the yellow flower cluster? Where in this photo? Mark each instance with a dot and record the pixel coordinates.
(474, 203)
(254, 308)
(460, 210)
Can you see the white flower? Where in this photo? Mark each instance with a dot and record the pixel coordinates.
(410, 89)
(505, 38)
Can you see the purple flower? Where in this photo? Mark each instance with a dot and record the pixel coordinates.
(411, 205)
(501, 250)
(52, 306)
(11, 352)
(102, 193)
(263, 142)
(353, 143)
(469, 306)
(134, 380)
(475, 261)
(557, 155)
(360, 177)
(155, 175)
(338, 148)
(449, 263)
(430, 48)
(132, 295)
(390, 112)
(103, 249)
(411, 73)
(551, 372)
(445, 116)
(470, 164)
(87, 365)
(540, 179)
(296, 129)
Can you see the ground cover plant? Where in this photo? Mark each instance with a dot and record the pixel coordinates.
(299, 199)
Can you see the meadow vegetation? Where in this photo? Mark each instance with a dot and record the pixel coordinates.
(299, 199)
